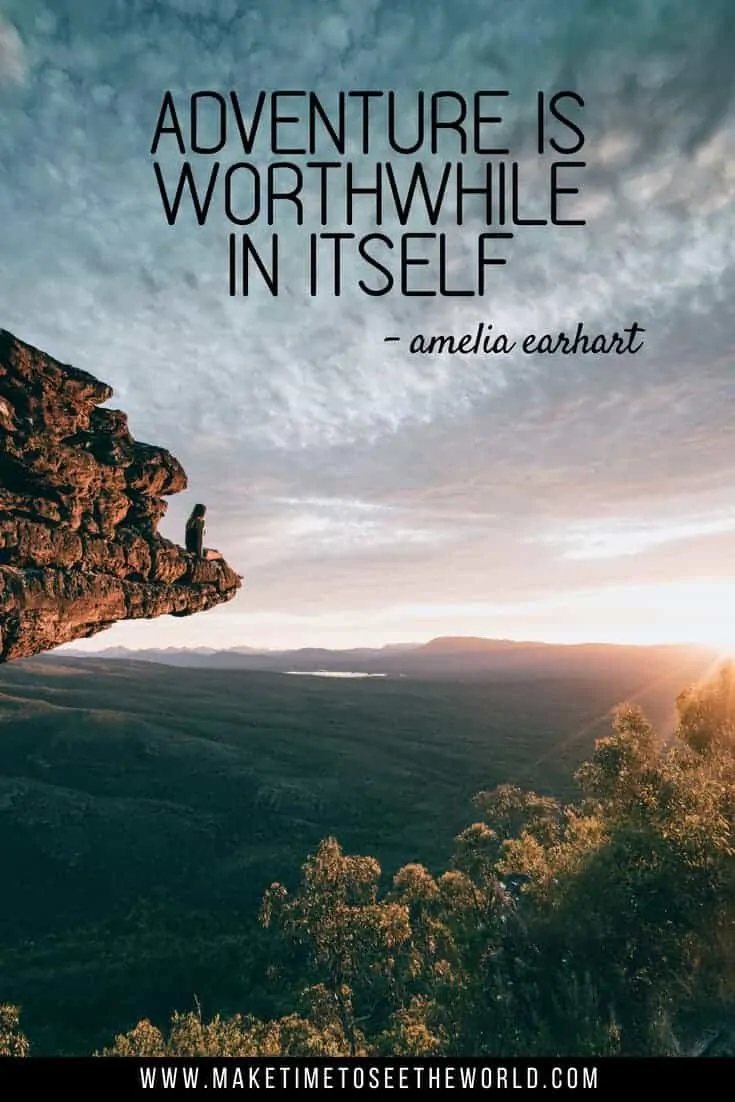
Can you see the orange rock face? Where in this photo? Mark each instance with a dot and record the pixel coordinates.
(80, 503)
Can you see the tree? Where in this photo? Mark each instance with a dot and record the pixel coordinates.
(12, 1041)
(353, 941)
(601, 926)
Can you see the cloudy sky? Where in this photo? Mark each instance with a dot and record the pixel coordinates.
(370, 495)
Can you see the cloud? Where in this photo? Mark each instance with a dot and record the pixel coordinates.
(12, 55)
(608, 541)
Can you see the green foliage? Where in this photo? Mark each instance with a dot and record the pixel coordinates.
(318, 1034)
(595, 927)
(12, 1041)
(601, 926)
(707, 712)
(357, 944)
(149, 808)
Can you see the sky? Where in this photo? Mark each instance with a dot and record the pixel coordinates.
(370, 495)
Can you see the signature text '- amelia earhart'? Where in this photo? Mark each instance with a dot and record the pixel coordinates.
(485, 340)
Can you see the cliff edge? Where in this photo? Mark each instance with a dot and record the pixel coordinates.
(80, 504)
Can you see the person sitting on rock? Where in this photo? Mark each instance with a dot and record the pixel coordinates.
(195, 531)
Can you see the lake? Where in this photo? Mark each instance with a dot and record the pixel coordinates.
(332, 673)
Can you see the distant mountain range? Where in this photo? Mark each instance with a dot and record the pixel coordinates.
(447, 656)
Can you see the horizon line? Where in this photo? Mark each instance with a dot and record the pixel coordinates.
(73, 645)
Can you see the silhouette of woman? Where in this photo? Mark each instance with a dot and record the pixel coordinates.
(195, 530)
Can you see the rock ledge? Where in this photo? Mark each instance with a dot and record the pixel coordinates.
(80, 503)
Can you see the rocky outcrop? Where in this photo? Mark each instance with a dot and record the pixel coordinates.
(80, 503)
